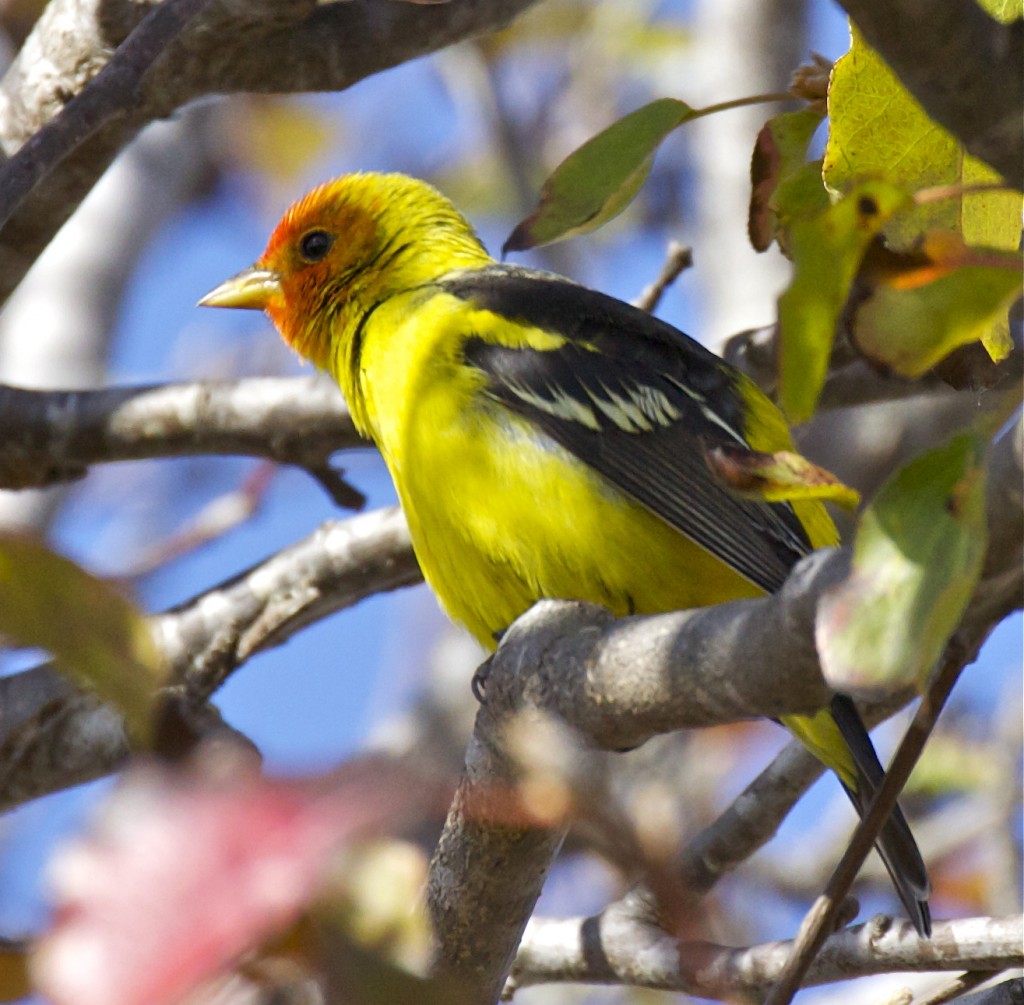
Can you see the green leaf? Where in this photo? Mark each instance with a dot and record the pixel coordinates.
(96, 635)
(779, 156)
(596, 182)
(1004, 10)
(798, 197)
(827, 249)
(878, 128)
(913, 318)
(916, 559)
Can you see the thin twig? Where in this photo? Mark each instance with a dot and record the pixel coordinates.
(955, 988)
(678, 258)
(214, 520)
(52, 736)
(820, 921)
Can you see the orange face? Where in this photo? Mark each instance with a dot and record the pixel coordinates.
(317, 259)
(342, 249)
(319, 251)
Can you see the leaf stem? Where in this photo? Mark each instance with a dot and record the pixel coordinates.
(755, 99)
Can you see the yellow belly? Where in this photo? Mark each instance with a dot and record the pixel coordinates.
(501, 516)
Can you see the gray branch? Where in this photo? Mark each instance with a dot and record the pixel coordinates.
(618, 682)
(53, 736)
(106, 98)
(851, 380)
(51, 436)
(56, 330)
(269, 46)
(1010, 992)
(617, 948)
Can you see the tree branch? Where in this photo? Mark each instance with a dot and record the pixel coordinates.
(51, 436)
(1010, 992)
(268, 46)
(615, 948)
(61, 739)
(104, 99)
(342, 562)
(618, 681)
(851, 380)
(53, 736)
(964, 67)
(956, 989)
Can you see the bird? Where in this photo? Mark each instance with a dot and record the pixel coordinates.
(545, 440)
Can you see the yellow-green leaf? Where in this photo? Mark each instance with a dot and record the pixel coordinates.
(1004, 10)
(877, 129)
(95, 634)
(596, 182)
(827, 249)
(916, 559)
(779, 156)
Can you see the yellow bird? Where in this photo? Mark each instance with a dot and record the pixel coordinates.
(545, 440)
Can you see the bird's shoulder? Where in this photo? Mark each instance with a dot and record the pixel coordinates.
(609, 363)
(579, 314)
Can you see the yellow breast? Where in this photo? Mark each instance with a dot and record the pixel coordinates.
(500, 515)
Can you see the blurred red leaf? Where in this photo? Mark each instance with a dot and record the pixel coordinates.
(183, 873)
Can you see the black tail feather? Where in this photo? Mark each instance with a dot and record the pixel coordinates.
(896, 843)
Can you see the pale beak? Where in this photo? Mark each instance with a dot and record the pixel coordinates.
(252, 288)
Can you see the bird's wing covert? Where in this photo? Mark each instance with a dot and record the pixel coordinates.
(639, 402)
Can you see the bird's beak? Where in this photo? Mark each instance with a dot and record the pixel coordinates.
(252, 288)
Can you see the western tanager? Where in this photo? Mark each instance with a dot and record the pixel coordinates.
(545, 440)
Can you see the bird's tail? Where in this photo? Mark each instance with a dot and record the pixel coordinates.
(895, 843)
(837, 736)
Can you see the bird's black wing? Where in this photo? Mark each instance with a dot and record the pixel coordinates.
(639, 402)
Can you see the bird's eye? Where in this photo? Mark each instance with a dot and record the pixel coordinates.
(314, 246)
